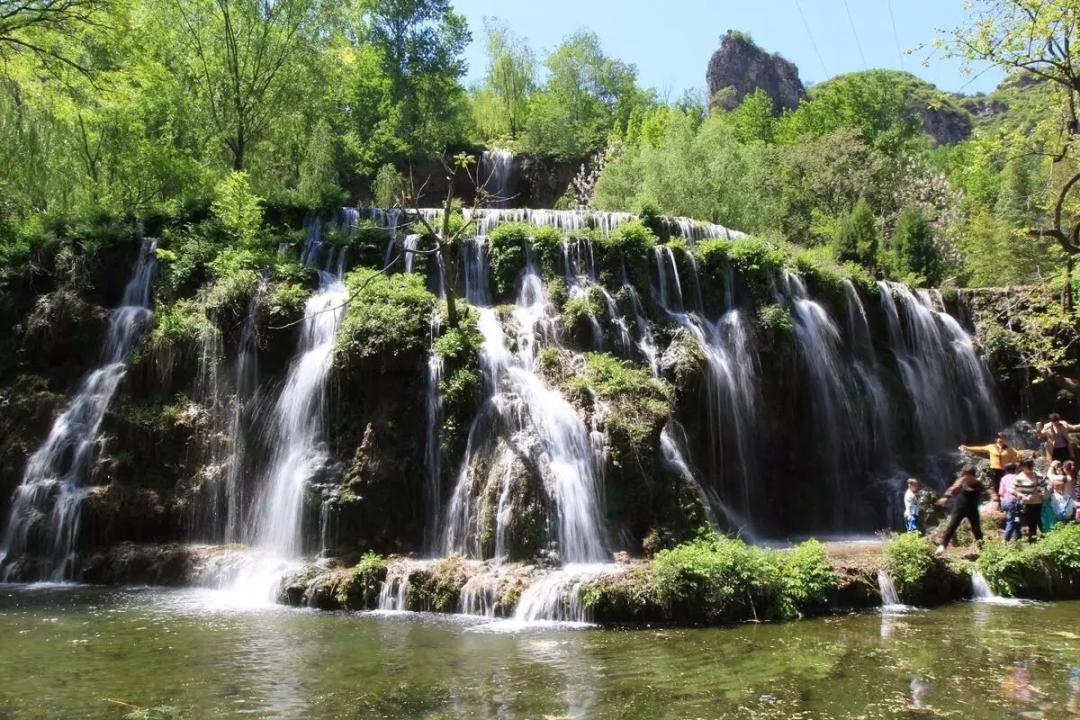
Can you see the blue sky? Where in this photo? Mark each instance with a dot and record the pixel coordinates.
(670, 42)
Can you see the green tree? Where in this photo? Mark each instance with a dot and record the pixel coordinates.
(238, 208)
(318, 174)
(511, 74)
(420, 44)
(857, 236)
(913, 250)
(238, 56)
(587, 96)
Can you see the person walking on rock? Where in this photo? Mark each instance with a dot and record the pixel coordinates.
(1010, 505)
(1000, 455)
(962, 498)
(1030, 493)
(1057, 435)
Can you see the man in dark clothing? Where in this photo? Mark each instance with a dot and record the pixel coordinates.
(964, 496)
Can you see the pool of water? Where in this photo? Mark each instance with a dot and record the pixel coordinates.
(79, 652)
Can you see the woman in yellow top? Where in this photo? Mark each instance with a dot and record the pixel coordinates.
(1000, 455)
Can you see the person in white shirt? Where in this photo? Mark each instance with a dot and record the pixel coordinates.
(911, 506)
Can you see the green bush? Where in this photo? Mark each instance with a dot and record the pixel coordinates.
(719, 578)
(715, 578)
(757, 261)
(630, 246)
(807, 579)
(388, 317)
(1047, 568)
(857, 238)
(508, 245)
(238, 208)
(909, 558)
(360, 590)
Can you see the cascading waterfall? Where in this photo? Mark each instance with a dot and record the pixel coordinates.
(731, 380)
(228, 397)
(820, 343)
(496, 168)
(519, 404)
(298, 452)
(947, 383)
(433, 453)
(868, 374)
(54, 484)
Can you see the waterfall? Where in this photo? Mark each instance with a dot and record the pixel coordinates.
(53, 484)
(890, 599)
(433, 453)
(297, 420)
(868, 375)
(228, 397)
(556, 597)
(819, 342)
(520, 406)
(949, 386)
(981, 592)
(731, 382)
(496, 168)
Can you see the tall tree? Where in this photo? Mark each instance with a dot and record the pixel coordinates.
(421, 44)
(511, 74)
(240, 53)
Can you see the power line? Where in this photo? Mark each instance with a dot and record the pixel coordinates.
(813, 44)
(855, 33)
(896, 36)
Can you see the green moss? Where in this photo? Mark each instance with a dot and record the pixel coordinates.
(360, 590)
(461, 387)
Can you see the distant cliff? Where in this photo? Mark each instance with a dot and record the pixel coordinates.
(740, 67)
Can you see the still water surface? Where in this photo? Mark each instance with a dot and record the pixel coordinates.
(78, 652)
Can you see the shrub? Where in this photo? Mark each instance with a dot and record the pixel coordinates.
(360, 589)
(807, 579)
(507, 244)
(857, 238)
(388, 317)
(629, 246)
(1044, 569)
(909, 558)
(388, 186)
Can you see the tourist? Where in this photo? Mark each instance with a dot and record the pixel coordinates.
(1062, 505)
(911, 506)
(1000, 455)
(1057, 435)
(964, 496)
(1009, 504)
(1030, 492)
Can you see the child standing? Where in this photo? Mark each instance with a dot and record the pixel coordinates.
(911, 505)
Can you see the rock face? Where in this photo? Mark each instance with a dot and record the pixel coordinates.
(743, 67)
(946, 125)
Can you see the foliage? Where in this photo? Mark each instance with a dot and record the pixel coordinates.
(388, 186)
(511, 79)
(909, 559)
(388, 317)
(1033, 569)
(238, 208)
(913, 252)
(360, 589)
(508, 245)
(856, 239)
(718, 578)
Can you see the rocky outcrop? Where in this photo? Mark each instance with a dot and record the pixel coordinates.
(944, 123)
(740, 67)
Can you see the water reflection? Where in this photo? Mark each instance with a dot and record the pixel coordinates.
(67, 650)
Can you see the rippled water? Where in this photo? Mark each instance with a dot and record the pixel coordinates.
(76, 652)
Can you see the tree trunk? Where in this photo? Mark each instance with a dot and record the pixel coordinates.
(1067, 293)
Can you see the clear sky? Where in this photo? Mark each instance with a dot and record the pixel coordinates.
(670, 41)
